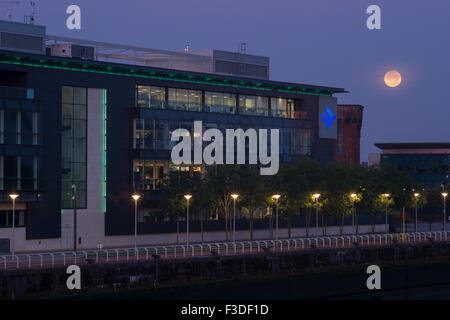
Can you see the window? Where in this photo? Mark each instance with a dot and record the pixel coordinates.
(10, 172)
(151, 97)
(6, 218)
(282, 108)
(184, 99)
(149, 174)
(253, 105)
(278, 106)
(220, 102)
(74, 146)
(11, 126)
(19, 173)
(150, 134)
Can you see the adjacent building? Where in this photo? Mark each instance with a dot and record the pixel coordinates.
(427, 163)
(91, 122)
(349, 133)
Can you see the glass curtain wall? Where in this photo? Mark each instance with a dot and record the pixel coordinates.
(151, 97)
(220, 102)
(151, 134)
(74, 146)
(184, 99)
(253, 105)
(282, 108)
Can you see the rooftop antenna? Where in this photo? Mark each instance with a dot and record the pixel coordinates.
(242, 47)
(11, 7)
(33, 13)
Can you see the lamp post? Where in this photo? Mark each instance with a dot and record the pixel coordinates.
(444, 195)
(187, 196)
(386, 198)
(135, 198)
(353, 196)
(234, 196)
(316, 196)
(416, 197)
(13, 197)
(276, 197)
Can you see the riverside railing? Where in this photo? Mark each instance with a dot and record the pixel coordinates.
(52, 259)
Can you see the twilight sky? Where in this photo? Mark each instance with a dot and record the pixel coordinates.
(322, 42)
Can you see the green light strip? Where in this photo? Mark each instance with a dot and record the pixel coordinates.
(171, 76)
(104, 106)
(308, 93)
(29, 64)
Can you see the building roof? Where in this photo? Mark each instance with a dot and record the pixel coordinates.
(413, 145)
(119, 69)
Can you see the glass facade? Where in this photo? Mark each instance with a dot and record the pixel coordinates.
(151, 97)
(19, 167)
(151, 134)
(74, 146)
(427, 169)
(184, 99)
(220, 102)
(149, 173)
(282, 108)
(19, 127)
(19, 173)
(154, 135)
(6, 218)
(253, 105)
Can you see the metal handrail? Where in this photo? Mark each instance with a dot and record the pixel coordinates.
(51, 258)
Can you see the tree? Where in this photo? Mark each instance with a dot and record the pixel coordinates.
(298, 183)
(341, 180)
(202, 196)
(252, 193)
(175, 185)
(223, 180)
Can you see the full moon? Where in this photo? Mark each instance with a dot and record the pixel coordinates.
(392, 78)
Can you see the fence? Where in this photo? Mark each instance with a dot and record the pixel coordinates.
(115, 255)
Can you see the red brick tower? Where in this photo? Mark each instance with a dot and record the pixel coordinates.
(349, 133)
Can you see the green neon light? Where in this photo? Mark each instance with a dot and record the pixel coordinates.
(129, 74)
(104, 105)
(305, 92)
(149, 74)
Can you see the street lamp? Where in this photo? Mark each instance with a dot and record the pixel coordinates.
(316, 196)
(234, 196)
(187, 196)
(416, 196)
(386, 197)
(135, 198)
(276, 197)
(353, 196)
(444, 195)
(13, 196)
